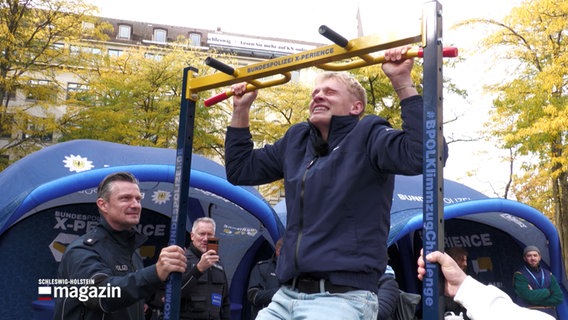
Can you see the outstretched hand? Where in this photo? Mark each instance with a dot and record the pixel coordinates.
(452, 273)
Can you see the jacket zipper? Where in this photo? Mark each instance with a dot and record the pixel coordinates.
(301, 221)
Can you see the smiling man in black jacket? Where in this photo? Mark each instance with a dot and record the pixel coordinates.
(338, 170)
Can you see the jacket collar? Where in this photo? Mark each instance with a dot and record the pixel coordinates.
(125, 238)
(338, 128)
(195, 250)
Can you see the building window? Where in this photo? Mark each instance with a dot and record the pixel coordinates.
(124, 32)
(38, 131)
(153, 56)
(41, 90)
(4, 160)
(115, 52)
(88, 25)
(194, 39)
(76, 50)
(58, 46)
(160, 35)
(73, 89)
(6, 126)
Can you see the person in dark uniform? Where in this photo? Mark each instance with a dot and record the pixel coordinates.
(263, 282)
(388, 294)
(204, 288)
(107, 257)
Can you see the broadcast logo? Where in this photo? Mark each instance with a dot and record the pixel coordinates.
(81, 289)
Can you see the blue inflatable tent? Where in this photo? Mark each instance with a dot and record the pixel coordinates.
(48, 200)
(493, 231)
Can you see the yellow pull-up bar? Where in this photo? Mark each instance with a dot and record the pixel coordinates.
(343, 55)
(253, 85)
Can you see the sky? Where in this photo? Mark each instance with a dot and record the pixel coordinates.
(475, 164)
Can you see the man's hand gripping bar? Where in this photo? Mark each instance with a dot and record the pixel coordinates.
(252, 85)
(418, 52)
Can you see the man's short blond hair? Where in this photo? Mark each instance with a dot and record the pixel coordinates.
(352, 85)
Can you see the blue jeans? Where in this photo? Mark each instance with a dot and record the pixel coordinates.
(290, 304)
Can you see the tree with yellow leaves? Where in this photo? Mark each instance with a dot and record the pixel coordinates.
(33, 34)
(530, 115)
(135, 99)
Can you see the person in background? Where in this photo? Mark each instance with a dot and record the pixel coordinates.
(388, 294)
(204, 287)
(460, 255)
(108, 256)
(483, 302)
(453, 308)
(338, 169)
(263, 282)
(535, 286)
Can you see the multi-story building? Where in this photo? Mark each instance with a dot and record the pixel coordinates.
(247, 48)
(125, 35)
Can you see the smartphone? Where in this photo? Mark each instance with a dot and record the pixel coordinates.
(213, 244)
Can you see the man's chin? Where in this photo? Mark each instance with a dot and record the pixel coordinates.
(320, 121)
(134, 221)
(319, 118)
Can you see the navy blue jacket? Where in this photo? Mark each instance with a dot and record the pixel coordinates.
(338, 199)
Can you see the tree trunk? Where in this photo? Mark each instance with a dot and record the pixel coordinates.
(561, 215)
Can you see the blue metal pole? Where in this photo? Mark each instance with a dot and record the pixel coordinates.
(433, 178)
(180, 204)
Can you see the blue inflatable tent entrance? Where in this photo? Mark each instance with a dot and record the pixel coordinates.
(48, 200)
(493, 231)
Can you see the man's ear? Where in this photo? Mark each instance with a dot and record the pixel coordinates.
(101, 203)
(357, 108)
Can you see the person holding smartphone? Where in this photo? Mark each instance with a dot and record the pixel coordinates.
(204, 288)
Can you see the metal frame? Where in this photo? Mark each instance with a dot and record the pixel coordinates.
(433, 178)
(342, 55)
